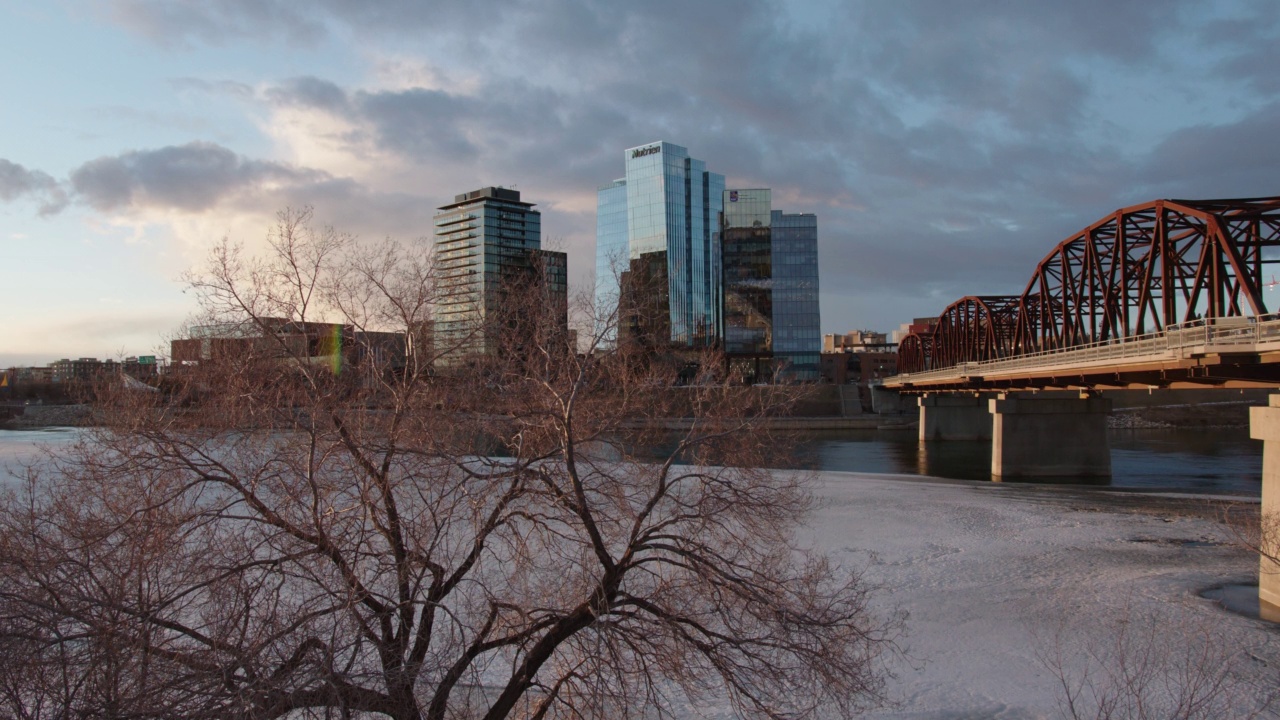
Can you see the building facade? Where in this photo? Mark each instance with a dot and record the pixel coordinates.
(664, 211)
(857, 341)
(486, 240)
(613, 256)
(770, 266)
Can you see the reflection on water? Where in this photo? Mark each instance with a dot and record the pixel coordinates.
(1222, 460)
(1214, 460)
(1217, 460)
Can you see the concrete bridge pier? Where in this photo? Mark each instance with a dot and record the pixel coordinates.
(954, 417)
(1049, 435)
(1264, 425)
(887, 401)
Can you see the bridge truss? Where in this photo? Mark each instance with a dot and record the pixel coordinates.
(1142, 270)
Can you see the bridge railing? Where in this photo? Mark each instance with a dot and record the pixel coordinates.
(1170, 343)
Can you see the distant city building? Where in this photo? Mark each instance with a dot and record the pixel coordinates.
(770, 302)
(856, 341)
(862, 368)
(67, 370)
(858, 357)
(86, 369)
(917, 325)
(486, 241)
(690, 265)
(659, 223)
(341, 348)
(42, 375)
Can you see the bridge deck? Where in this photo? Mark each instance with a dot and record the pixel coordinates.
(1231, 352)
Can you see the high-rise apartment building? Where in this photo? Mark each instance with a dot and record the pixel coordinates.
(660, 222)
(486, 241)
(770, 260)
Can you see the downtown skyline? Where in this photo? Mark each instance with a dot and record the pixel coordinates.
(945, 149)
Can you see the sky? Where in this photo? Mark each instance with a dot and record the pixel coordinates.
(946, 146)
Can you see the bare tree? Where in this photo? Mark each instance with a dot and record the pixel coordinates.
(312, 520)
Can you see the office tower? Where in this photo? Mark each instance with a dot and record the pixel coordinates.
(797, 335)
(658, 224)
(488, 242)
(771, 318)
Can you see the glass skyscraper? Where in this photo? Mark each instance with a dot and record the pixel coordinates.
(612, 253)
(797, 334)
(486, 239)
(771, 318)
(671, 206)
(694, 265)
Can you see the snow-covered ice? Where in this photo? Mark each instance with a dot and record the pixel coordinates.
(988, 572)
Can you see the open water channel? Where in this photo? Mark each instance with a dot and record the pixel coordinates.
(1214, 460)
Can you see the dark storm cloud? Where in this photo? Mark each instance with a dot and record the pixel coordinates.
(1247, 45)
(429, 124)
(190, 177)
(309, 92)
(200, 176)
(16, 182)
(944, 146)
(1234, 160)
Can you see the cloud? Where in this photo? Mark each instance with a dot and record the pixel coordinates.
(311, 92)
(16, 182)
(216, 21)
(945, 146)
(1237, 159)
(191, 177)
(228, 88)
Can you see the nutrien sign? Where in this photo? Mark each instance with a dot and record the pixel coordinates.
(641, 152)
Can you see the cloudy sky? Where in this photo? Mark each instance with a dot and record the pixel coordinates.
(945, 145)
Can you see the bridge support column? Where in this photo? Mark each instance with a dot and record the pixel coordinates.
(954, 417)
(1264, 425)
(1044, 435)
(887, 402)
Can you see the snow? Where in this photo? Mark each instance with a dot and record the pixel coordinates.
(988, 572)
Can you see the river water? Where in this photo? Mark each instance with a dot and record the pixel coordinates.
(1214, 460)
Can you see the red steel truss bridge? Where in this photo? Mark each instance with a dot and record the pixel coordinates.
(1170, 293)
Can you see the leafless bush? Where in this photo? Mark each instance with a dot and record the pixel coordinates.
(296, 529)
(1161, 663)
(1257, 530)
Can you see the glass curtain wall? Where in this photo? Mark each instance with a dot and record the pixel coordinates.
(672, 206)
(482, 238)
(612, 255)
(797, 337)
(748, 272)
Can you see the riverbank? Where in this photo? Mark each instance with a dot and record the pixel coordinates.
(857, 422)
(821, 412)
(25, 417)
(991, 573)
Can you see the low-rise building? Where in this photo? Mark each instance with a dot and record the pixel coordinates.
(858, 357)
(855, 341)
(337, 346)
(79, 370)
(917, 325)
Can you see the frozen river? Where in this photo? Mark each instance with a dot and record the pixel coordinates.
(989, 573)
